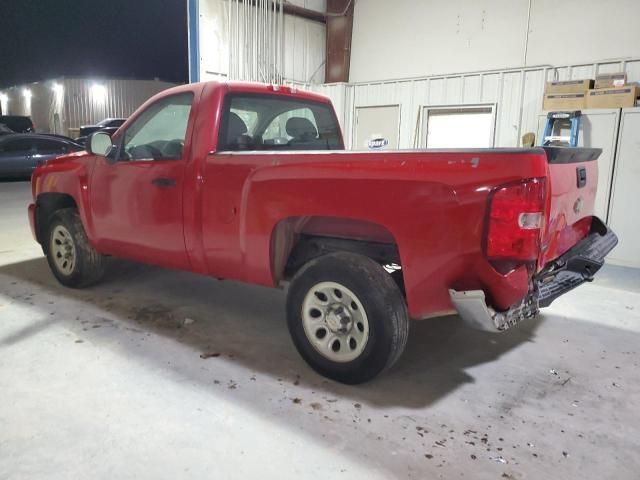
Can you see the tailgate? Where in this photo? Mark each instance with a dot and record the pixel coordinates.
(573, 180)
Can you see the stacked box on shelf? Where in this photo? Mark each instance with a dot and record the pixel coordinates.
(612, 91)
(566, 94)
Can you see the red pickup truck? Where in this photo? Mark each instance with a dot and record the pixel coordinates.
(251, 182)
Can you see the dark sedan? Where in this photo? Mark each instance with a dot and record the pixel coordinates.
(21, 153)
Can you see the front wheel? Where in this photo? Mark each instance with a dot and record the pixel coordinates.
(347, 317)
(72, 259)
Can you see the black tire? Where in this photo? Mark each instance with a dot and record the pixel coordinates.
(399, 279)
(88, 267)
(382, 300)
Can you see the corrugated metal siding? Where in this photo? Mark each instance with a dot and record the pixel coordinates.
(41, 105)
(75, 104)
(300, 57)
(517, 94)
(121, 99)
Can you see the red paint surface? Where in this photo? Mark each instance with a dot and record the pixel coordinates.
(220, 218)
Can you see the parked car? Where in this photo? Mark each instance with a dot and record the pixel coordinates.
(4, 130)
(108, 130)
(21, 153)
(86, 130)
(250, 182)
(17, 123)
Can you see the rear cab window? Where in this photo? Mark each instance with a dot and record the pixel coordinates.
(275, 122)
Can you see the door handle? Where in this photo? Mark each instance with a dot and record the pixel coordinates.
(164, 182)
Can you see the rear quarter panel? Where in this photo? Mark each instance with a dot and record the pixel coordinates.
(432, 203)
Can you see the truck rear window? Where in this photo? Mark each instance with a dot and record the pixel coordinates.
(271, 122)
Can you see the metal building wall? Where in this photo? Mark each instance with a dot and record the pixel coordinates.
(86, 104)
(40, 101)
(57, 105)
(516, 93)
(226, 49)
(408, 38)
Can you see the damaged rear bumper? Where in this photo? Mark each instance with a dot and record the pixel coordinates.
(570, 270)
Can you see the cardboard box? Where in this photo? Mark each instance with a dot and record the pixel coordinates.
(568, 86)
(610, 80)
(564, 101)
(618, 97)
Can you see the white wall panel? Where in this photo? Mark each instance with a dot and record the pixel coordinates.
(490, 87)
(624, 215)
(303, 48)
(581, 31)
(437, 89)
(509, 106)
(516, 93)
(472, 89)
(214, 39)
(632, 68)
(304, 51)
(453, 90)
(409, 38)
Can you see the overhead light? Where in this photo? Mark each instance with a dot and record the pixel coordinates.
(26, 93)
(99, 92)
(57, 88)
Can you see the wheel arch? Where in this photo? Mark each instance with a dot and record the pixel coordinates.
(297, 240)
(47, 204)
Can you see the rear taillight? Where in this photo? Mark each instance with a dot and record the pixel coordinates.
(515, 221)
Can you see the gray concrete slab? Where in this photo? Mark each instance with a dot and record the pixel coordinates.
(110, 382)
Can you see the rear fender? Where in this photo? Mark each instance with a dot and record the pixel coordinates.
(407, 212)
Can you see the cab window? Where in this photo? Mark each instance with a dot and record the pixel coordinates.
(271, 122)
(159, 132)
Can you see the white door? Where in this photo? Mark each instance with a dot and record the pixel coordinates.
(624, 212)
(599, 129)
(377, 128)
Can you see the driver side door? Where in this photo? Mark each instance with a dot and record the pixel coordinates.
(137, 191)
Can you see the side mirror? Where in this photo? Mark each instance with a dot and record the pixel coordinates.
(99, 143)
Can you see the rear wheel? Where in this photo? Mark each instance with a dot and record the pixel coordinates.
(72, 259)
(347, 317)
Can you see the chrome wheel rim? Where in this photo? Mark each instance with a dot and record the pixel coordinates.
(335, 322)
(63, 250)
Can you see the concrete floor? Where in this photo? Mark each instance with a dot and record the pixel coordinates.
(110, 382)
